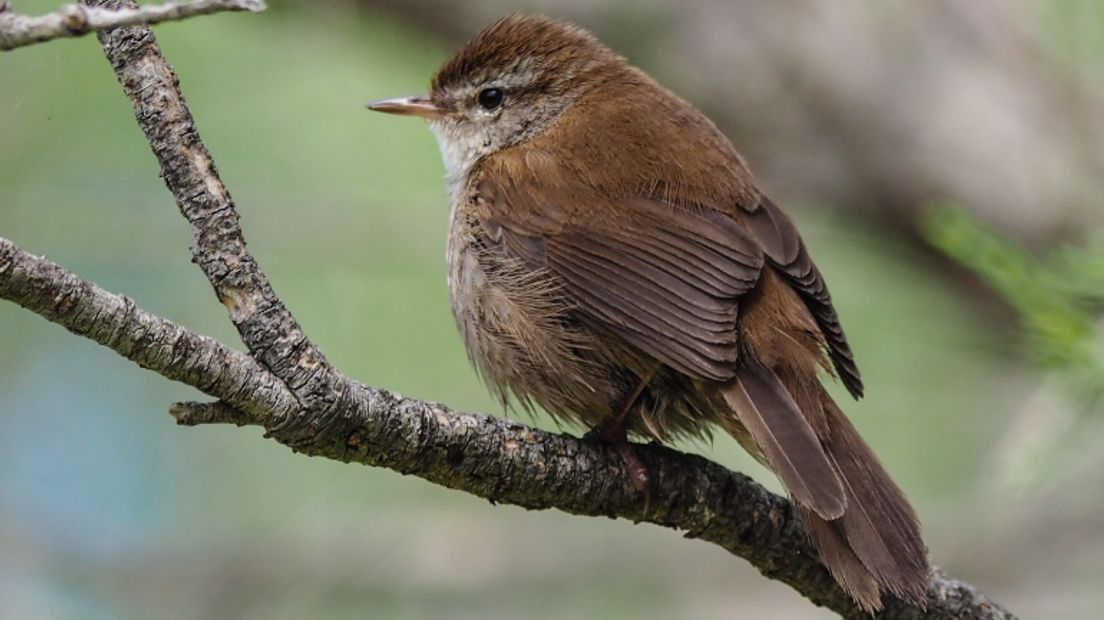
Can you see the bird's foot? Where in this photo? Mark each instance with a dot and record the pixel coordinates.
(615, 435)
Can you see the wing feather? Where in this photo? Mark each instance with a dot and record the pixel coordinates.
(668, 277)
(786, 252)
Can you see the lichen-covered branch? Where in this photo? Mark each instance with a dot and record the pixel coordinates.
(497, 459)
(267, 328)
(152, 342)
(287, 387)
(74, 20)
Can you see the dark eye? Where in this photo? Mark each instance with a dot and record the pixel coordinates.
(491, 98)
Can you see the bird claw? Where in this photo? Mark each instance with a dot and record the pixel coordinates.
(614, 435)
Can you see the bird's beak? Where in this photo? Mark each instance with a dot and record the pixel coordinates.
(415, 105)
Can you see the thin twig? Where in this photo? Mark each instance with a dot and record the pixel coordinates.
(152, 342)
(267, 328)
(74, 20)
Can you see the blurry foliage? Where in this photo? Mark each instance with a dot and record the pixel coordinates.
(1075, 29)
(1059, 298)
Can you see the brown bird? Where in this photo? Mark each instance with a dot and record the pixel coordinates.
(612, 260)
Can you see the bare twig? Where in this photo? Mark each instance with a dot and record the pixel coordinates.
(148, 340)
(74, 20)
(266, 326)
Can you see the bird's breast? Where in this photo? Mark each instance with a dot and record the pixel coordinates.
(518, 329)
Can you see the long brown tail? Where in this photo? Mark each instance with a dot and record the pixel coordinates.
(859, 520)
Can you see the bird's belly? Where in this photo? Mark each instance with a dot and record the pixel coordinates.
(529, 347)
(520, 335)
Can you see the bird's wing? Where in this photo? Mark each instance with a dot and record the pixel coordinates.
(666, 279)
(670, 279)
(784, 250)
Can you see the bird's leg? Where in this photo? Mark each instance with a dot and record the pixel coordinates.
(614, 432)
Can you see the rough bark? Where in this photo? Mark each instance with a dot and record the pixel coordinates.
(286, 386)
(266, 326)
(152, 342)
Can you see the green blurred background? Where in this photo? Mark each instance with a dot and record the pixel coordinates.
(108, 510)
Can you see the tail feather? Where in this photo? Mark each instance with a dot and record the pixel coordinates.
(841, 560)
(882, 527)
(866, 532)
(787, 441)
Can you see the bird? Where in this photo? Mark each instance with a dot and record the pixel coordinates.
(612, 260)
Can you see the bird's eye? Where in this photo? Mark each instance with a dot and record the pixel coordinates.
(491, 98)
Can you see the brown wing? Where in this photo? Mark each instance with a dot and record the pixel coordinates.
(668, 280)
(785, 251)
(665, 279)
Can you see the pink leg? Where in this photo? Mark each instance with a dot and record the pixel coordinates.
(613, 431)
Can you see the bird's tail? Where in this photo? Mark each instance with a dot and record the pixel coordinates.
(858, 519)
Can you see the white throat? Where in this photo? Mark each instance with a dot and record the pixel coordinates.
(459, 151)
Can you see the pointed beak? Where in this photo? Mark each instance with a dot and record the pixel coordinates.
(415, 105)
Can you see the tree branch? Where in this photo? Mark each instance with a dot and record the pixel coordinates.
(287, 387)
(74, 20)
(152, 342)
(267, 328)
(496, 459)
